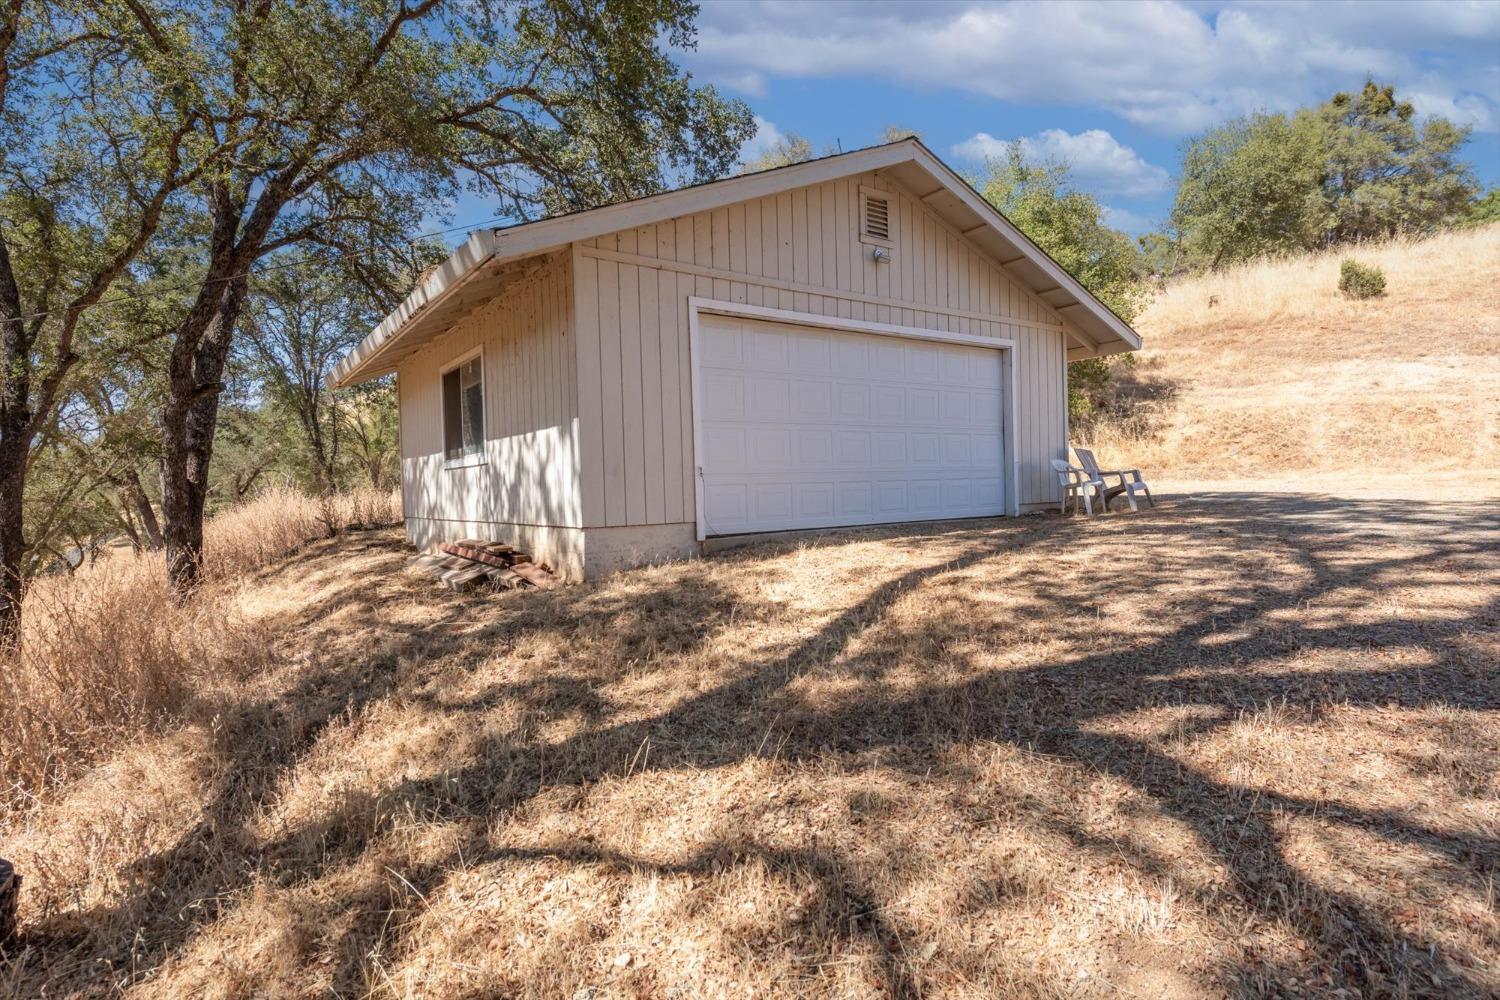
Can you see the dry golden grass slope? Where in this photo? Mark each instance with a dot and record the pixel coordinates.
(951, 762)
(1284, 378)
(1243, 743)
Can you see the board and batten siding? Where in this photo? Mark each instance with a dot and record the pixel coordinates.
(527, 473)
(800, 251)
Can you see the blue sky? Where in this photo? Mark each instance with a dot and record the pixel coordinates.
(1112, 88)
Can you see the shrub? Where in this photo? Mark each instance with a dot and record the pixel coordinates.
(1360, 281)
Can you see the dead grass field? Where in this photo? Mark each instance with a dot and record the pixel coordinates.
(1284, 376)
(1240, 745)
(107, 656)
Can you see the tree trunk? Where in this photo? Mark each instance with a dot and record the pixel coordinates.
(13, 453)
(15, 445)
(10, 894)
(127, 524)
(143, 510)
(188, 420)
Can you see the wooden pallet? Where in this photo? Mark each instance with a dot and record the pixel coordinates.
(474, 562)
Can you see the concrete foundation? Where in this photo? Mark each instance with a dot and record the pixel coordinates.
(573, 553)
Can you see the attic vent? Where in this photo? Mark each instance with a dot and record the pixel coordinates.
(875, 217)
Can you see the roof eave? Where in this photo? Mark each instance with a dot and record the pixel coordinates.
(1113, 334)
(363, 363)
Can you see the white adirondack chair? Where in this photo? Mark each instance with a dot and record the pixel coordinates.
(1130, 481)
(1076, 485)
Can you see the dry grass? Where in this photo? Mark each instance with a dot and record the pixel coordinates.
(1285, 376)
(941, 763)
(106, 654)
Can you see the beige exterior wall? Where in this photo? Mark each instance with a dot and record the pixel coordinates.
(525, 485)
(798, 251)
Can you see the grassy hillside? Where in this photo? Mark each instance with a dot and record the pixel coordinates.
(105, 655)
(1268, 370)
(1235, 747)
(895, 763)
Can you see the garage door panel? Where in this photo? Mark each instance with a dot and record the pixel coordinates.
(854, 499)
(889, 360)
(806, 427)
(890, 402)
(723, 396)
(955, 406)
(725, 449)
(955, 369)
(768, 348)
(890, 449)
(891, 497)
(721, 346)
(854, 400)
(986, 450)
(771, 501)
(814, 449)
(924, 363)
(812, 353)
(768, 397)
(988, 491)
(815, 499)
(814, 399)
(771, 448)
(956, 450)
(727, 503)
(924, 449)
(987, 409)
(851, 449)
(850, 356)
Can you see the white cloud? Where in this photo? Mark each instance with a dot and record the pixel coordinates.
(766, 135)
(1464, 109)
(746, 82)
(1157, 63)
(1099, 162)
(1126, 220)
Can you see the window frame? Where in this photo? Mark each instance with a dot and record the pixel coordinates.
(476, 457)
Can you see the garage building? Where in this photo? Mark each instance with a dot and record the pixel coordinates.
(859, 339)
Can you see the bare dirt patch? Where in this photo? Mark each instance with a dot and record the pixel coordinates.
(1241, 744)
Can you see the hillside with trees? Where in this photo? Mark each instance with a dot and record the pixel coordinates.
(1359, 167)
(165, 165)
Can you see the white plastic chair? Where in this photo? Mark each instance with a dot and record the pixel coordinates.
(1130, 481)
(1076, 485)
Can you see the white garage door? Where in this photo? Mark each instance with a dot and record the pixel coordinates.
(804, 427)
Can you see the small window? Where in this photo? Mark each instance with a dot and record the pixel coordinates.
(874, 217)
(463, 409)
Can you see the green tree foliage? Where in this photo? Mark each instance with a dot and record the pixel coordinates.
(1249, 188)
(1483, 211)
(1385, 171)
(1068, 224)
(341, 123)
(371, 433)
(76, 214)
(1357, 167)
(783, 152)
(298, 323)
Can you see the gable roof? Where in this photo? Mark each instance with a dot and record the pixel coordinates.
(493, 257)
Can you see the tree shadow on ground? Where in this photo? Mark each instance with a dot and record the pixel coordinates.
(1217, 630)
